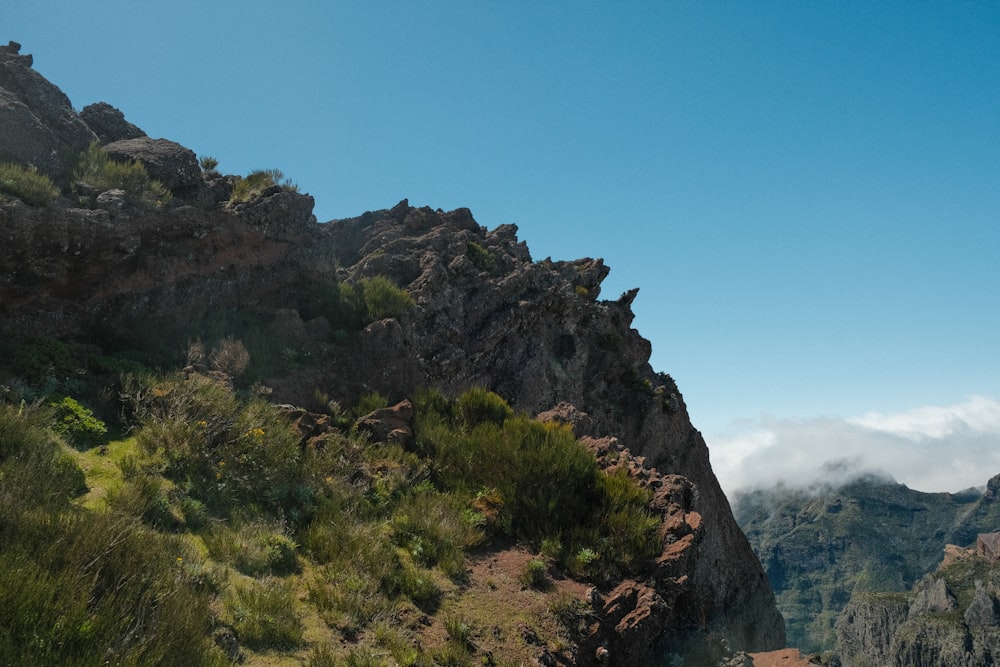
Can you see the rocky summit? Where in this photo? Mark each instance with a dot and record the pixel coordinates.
(104, 277)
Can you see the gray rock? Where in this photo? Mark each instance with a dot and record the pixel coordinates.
(112, 200)
(38, 125)
(173, 165)
(108, 123)
(931, 596)
(982, 610)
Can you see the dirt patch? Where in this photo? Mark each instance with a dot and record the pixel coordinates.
(789, 657)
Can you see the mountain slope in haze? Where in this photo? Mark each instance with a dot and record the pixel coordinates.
(820, 546)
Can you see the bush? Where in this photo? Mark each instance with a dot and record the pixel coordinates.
(481, 258)
(536, 483)
(533, 575)
(83, 588)
(208, 163)
(78, 424)
(256, 182)
(263, 613)
(97, 169)
(27, 184)
(225, 451)
(479, 406)
(230, 356)
(383, 299)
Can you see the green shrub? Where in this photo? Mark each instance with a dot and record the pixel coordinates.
(208, 163)
(481, 258)
(27, 184)
(534, 575)
(78, 424)
(226, 452)
(230, 356)
(479, 406)
(263, 613)
(256, 182)
(536, 483)
(383, 299)
(97, 169)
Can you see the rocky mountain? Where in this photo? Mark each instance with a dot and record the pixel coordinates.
(948, 619)
(821, 546)
(389, 302)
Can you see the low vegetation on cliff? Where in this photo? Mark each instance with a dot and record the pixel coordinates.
(214, 520)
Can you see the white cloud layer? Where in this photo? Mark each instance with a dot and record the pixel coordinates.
(932, 448)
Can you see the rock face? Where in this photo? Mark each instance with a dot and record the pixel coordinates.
(173, 165)
(948, 619)
(108, 123)
(484, 314)
(37, 121)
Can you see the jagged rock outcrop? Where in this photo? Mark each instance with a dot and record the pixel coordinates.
(484, 314)
(108, 123)
(37, 121)
(928, 627)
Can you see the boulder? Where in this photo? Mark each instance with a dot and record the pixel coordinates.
(982, 610)
(173, 165)
(394, 424)
(932, 596)
(108, 123)
(38, 125)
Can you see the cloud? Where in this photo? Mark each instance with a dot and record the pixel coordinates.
(932, 448)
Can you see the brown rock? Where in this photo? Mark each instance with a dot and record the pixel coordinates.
(394, 424)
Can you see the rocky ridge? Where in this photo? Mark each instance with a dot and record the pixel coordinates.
(485, 314)
(949, 618)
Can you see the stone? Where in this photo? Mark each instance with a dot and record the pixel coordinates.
(982, 611)
(393, 424)
(564, 413)
(173, 165)
(111, 200)
(931, 596)
(38, 125)
(108, 123)
(988, 546)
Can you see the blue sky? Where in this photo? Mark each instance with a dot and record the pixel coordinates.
(807, 194)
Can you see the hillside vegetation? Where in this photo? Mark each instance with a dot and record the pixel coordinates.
(213, 528)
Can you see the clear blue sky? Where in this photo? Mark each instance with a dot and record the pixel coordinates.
(807, 193)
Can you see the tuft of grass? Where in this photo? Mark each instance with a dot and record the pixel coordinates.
(257, 181)
(97, 169)
(255, 548)
(264, 613)
(27, 184)
(534, 575)
(208, 163)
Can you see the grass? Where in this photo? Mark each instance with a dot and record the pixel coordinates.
(256, 182)
(97, 169)
(27, 184)
(210, 517)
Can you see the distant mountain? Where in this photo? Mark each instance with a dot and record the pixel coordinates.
(820, 546)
